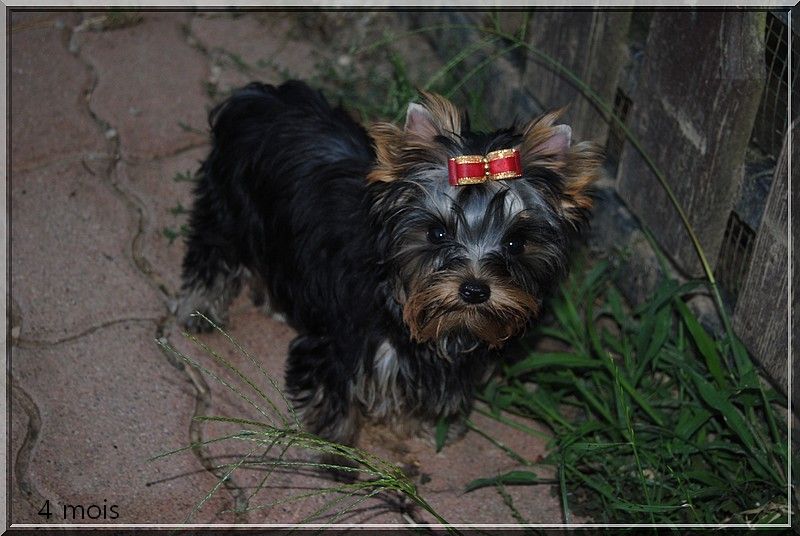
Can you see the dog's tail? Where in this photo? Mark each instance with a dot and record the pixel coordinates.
(288, 125)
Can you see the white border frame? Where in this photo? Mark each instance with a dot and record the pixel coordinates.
(344, 5)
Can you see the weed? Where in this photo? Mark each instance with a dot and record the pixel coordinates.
(178, 210)
(171, 234)
(270, 437)
(184, 176)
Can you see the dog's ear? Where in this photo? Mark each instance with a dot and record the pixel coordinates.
(420, 121)
(398, 151)
(436, 116)
(545, 144)
(549, 145)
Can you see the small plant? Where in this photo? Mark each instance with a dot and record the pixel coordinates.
(184, 176)
(171, 234)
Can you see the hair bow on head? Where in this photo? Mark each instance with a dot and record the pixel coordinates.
(474, 169)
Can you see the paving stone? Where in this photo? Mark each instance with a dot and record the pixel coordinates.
(49, 118)
(252, 48)
(108, 402)
(161, 187)
(71, 268)
(149, 84)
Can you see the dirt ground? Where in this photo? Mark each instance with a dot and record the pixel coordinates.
(108, 122)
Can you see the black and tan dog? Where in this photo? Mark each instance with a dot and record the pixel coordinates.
(405, 258)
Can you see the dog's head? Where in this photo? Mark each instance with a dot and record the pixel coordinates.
(477, 259)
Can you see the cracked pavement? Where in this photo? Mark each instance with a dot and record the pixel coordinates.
(108, 118)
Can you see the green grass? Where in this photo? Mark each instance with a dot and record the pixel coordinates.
(650, 422)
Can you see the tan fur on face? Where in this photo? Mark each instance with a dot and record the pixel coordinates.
(435, 309)
(399, 150)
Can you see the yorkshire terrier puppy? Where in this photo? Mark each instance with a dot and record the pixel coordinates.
(405, 258)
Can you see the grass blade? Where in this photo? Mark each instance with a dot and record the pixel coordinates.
(705, 344)
(553, 359)
(507, 479)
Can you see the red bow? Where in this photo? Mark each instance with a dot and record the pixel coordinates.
(474, 169)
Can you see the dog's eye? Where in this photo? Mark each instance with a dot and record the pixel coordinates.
(436, 234)
(515, 245)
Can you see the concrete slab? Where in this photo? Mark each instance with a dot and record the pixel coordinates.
(49, 116)
(149, 84)
(108, 402)
(71, 268)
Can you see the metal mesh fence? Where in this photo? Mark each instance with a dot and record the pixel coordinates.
(772, 117)
(734, 256)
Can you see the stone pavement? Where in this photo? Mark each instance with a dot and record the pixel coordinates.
(108, 119)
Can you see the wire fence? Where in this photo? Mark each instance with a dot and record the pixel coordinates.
(772, 117)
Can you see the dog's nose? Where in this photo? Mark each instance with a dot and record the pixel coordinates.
(474, 291)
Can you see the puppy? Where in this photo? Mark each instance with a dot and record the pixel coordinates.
(405, 258)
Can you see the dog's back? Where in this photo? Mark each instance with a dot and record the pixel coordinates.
(282, 158)
(288, 126)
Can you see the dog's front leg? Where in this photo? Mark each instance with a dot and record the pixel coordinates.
(319, 388)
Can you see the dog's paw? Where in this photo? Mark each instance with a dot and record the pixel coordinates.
(261, 299)
(456, 430)
(186, 307)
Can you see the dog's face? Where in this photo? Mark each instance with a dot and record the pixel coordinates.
(476, 260)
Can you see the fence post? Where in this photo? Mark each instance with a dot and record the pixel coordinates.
(592, 44)
(693, 112)
(760, 318)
